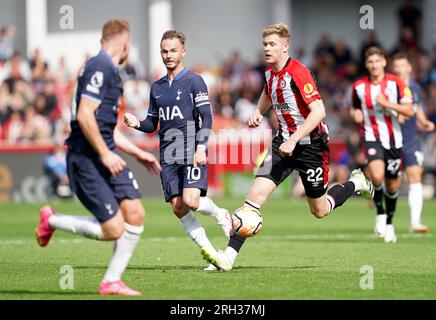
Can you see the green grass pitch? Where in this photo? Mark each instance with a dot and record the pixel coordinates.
(295, 257)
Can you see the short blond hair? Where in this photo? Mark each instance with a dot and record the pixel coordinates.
(280, 29)
(113, 28)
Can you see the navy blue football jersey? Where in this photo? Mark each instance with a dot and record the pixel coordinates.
(100, 81)
(409, 128)
(176, 105)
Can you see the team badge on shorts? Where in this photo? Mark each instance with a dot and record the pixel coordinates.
(372, 151)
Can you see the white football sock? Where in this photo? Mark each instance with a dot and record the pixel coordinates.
(208, 208)
(86, 226)
(123, 250)
(415, 202)
(196, 231)
(231, 254)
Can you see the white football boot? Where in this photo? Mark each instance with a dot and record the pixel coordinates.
(210, 268)
(218, 259)
(418, 228)
(390, 236)
(224, 220)
(364, 187)
(380, 225)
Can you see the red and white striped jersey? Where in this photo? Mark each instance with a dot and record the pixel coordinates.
(381, 124)
(291, 90)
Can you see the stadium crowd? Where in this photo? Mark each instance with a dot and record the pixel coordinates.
(35, 96)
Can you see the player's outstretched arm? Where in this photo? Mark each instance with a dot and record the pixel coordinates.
(88, 124)
(263, 106)
(145, 158)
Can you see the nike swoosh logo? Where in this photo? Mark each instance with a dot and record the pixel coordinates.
(157, 97)
(191, 182)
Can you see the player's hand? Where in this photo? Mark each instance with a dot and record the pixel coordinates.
(381, 99)
(357, 115)
(255, 119)
(401, 119)
(150, 162)
(200, 158)
(113, 162)
(429, 126)
(131, 121)
(287, 148)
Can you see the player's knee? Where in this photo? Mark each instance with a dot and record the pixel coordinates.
(136, 216)
(179, 210)
(113, 232)
(377, 179)
(191, 202)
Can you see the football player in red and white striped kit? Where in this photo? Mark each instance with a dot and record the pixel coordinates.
(300, 144)
(378, 99)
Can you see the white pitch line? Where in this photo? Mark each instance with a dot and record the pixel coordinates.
(308, 237)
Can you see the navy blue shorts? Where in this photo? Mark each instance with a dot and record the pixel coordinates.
(412, 154)
(96, 189)
(176, 177)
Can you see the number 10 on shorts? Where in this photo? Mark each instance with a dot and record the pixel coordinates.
(194, 173)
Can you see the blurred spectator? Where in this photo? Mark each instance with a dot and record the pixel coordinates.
(410, 16)
(14, 70)
(63, 74)
(38, 66)
(36, 128)
(407, 43)
(245, 105)
(303, 57)
(137, 94)
(7, 35)
(55, 166)
(342, 54)
(324, 46)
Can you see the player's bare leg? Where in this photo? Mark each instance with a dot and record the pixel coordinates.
(259, 193)
(340, 193)
(190, 224)
(376, 171)
(132, 213)
(415, 198)
(205, 205)
(88, 227)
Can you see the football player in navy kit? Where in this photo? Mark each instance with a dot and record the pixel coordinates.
(97, 173)
(413, 157)
(178, 102)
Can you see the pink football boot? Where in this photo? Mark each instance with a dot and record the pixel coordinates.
(44, 231)
(117, 288)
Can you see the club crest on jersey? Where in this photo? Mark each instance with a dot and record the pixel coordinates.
(170, 113)
(308, 88)
(283, 84)
(407, 92)
(178, 95)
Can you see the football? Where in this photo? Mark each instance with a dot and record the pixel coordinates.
(247, 222)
